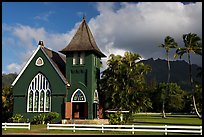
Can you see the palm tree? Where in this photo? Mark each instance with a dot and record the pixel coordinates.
(168, 44)
(191, 45)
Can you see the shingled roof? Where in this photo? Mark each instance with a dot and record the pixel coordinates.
(59, 61)
(83, 40)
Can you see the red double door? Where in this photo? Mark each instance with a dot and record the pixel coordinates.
(76, 110)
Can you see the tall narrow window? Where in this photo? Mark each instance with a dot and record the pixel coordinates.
(96, 96)
(75, 58)
(31, 101)
(48, 101)
(82, 57)
(42, 101)
(39, 95)
(36, 101)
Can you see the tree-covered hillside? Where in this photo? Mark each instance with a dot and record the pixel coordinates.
(7, 79)
(179, 72)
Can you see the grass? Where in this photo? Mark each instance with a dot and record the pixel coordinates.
(187, 120)
(139, 119)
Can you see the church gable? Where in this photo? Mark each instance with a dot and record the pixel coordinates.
(40, 63)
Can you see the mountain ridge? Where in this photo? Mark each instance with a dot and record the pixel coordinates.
(179, 72)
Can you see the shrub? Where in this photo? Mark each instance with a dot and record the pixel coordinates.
(114, 119)
(45, 118)
(51, 116)
(39, 119)
(26, 120)
(17, 118)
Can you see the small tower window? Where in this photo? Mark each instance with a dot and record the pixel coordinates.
(82, 56)
(39, 62)
(75, 58)
(96, 97)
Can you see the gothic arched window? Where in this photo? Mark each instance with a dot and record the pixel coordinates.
(39, 95)
(78, 96)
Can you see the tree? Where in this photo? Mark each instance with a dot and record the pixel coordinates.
(168, 44)
(123, 83)
(192, 44)
(7, 98)
(7, 103)
(174, 97)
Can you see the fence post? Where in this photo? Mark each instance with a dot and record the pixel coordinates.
(74, 128)
(200, 130)
(28, 126)
(165, 130)
(133, 129)
(5, 126)
(48, 126)
(102, 128)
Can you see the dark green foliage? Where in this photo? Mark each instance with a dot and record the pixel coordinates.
(39, 119)
(178, 75)
(174, 98)
(7, 103)
(198, 96)
(45, 118)
(7, 79)
(17, 118)
(51, 116)
(7, 98)
(192, 44)
(122, 86)
(115, 118)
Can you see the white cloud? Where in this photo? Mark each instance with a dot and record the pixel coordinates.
(141, 27)
(26, 38)
(135, 27)
(44, 16)
(14, 67)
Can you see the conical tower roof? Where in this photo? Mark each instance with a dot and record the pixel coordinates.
(83, 40)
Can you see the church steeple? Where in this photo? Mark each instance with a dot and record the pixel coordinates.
(83, 40)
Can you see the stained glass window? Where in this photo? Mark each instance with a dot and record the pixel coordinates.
(42, 101)
(48, 101)
(39, 94)
(31, 101)
(36, 101)
(78, 96)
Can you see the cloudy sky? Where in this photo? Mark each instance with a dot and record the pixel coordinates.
(117, 27)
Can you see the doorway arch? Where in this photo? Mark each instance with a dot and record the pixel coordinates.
(79, 105)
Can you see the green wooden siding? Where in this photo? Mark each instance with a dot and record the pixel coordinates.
(83, 77)
(58, 88)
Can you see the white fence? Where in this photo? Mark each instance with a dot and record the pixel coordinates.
(16, 125)
(131, 128)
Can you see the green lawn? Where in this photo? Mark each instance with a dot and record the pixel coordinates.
(156, 119)
(187, 120)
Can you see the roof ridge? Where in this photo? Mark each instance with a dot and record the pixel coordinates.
(83, 40)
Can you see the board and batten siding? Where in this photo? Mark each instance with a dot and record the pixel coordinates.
(20, 89)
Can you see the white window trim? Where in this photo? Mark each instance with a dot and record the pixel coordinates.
(39, 77)
(30, 59)
(75, 58)
(36, 62)
(82, 58)
(74, 94)
(97, 96)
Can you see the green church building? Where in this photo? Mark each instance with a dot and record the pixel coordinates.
(64, 82)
